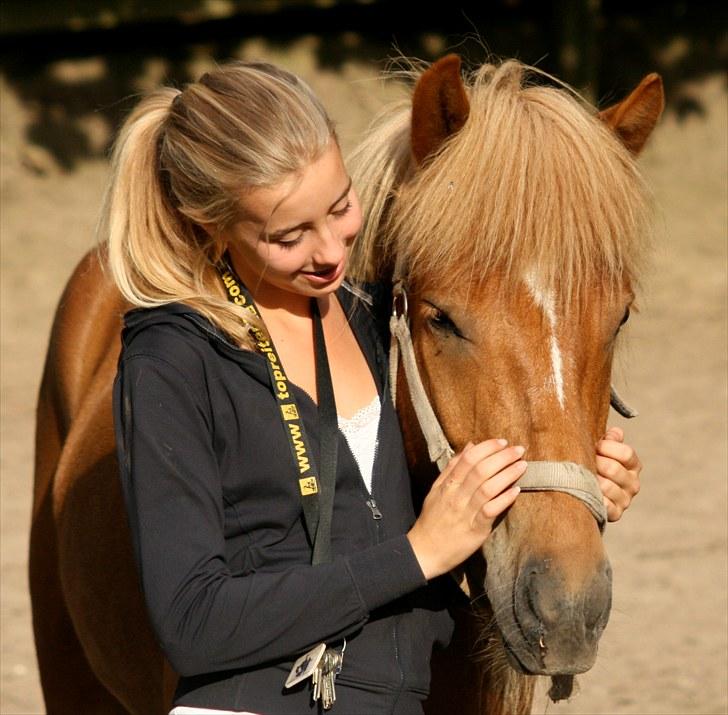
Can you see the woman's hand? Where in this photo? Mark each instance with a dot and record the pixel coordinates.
(618, 472)
(458, 513)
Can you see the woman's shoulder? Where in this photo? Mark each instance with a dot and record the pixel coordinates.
(174, 334)
(156, 327)
(177, 345)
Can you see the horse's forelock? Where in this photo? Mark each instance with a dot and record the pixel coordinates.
(533, 179)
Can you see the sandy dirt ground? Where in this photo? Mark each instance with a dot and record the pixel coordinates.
(665, 649)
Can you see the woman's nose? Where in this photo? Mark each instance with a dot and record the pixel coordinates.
(330, 247)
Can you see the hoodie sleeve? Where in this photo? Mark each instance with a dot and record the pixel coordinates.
(207, 619)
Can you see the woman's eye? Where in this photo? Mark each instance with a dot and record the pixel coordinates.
(343, 211)
(291, 243)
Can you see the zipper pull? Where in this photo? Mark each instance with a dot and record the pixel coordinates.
(376, 514)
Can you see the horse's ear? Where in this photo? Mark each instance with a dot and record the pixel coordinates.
(440, 107)
(634, 118)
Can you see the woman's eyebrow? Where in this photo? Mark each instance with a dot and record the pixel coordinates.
(283, 231)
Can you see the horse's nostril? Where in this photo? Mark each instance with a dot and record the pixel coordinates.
(544, 597)
(598, 601)
(535, 607)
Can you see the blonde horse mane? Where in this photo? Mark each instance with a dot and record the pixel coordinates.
(533, 181)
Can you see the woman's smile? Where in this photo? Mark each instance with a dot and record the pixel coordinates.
(322, 276)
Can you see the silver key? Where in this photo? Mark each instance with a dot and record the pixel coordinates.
(316, 680)
(332, 662)
(324, 674)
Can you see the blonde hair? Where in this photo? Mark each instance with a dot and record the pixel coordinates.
(533, 180)
(183, 160)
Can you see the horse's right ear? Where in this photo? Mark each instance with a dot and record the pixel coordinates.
(440, 107)
(634, 118)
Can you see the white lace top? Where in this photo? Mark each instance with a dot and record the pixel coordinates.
(360, 431)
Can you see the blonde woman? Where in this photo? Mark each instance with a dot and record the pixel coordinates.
(229, 218)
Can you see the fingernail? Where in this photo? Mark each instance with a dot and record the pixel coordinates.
(517, 489)
(519, 450)
(502, 442)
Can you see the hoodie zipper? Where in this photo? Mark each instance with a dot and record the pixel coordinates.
(376, 514)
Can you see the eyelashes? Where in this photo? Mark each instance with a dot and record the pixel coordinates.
(344, 211)
(288, 245)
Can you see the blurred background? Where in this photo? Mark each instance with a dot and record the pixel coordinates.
(71, 70)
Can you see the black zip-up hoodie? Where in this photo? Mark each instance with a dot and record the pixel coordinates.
(217, 527)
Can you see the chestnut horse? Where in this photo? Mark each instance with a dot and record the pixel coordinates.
(513, 223)
(517, 284)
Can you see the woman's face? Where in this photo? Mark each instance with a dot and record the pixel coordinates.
(294, 238)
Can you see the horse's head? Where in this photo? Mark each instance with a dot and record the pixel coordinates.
(517, 222)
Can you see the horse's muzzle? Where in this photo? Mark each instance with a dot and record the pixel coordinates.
(555, 630)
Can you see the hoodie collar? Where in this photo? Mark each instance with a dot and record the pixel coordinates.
(187, 318)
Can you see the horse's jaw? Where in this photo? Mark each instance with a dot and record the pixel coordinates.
(550, 605)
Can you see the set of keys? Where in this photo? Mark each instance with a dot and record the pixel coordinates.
(322, 664)
(323, 677)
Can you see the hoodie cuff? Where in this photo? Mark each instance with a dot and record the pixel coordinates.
(386, 572)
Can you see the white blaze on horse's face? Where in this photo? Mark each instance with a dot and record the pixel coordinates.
(544, 299)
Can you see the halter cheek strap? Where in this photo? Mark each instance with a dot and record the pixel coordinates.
(438, 446)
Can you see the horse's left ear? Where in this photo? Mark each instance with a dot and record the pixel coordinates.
(440, 107)
(634, 118)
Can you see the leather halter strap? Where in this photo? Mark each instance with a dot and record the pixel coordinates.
(566, 477)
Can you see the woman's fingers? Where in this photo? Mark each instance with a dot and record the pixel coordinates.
(614, 433)
(617, 496)
(622, 453)
(615, 509)
(487, 467)
(625, 478)
(493, 508)
(471, 455)
(499, 482)
(499, 492)
(460, 508)
(618, 473)
(483, 471)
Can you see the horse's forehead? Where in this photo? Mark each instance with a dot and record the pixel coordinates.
(543, 295)
(524, 291)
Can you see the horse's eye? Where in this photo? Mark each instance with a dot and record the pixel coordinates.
(442, 322)
(625, 318)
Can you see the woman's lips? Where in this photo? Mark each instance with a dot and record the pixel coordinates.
(327, 275)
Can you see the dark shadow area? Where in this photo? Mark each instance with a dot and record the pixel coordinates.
(605, 51)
